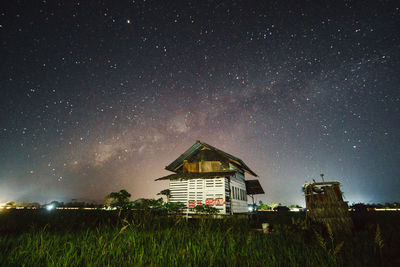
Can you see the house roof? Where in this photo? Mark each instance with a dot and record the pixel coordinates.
(196, 175)
(175, 165)
(253, 187)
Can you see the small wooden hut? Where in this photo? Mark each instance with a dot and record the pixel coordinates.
(325, 204)
(206, 175)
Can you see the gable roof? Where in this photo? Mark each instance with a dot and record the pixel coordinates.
(176, 164)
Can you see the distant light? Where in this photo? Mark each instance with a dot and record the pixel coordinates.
(386, 209)
(250, 209)
(128, 21)
(50, 207)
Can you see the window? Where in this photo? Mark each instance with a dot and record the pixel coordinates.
(238, 193)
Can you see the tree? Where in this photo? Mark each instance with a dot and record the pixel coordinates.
(148, 204)
(10, 205)
(262, 206)
(273, 205)
(55, 203)
(119, 199)
(166, 193)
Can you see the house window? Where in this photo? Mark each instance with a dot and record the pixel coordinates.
(238, 193)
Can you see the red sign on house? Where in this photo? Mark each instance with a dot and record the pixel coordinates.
(215, 201)
(209, 201)
(193, 203)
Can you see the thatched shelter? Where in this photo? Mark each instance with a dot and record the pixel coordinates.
(324, 202)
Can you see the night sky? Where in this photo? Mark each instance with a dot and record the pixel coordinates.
(97, 96)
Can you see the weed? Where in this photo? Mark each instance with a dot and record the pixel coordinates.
(143, 239)
(329, 245)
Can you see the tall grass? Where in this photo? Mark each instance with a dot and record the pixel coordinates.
(148, 240)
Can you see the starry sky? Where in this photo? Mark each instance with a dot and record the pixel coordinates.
(97, 96)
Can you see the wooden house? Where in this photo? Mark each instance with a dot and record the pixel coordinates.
(206, 175)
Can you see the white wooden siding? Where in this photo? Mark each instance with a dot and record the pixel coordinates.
(202, 191)
(239, 201)
(198, 191)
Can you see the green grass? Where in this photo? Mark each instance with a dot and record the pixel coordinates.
(82, 238)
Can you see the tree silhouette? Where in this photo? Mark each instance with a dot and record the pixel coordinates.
(165, 192)
(119, 199)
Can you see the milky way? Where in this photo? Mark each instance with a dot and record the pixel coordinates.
(97, 96)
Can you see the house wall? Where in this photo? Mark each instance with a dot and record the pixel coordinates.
(214, 192)
(200, 191)
(238, 194)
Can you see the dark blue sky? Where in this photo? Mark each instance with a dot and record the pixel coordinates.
(97, 96)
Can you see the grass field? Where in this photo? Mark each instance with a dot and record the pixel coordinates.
(98, 238)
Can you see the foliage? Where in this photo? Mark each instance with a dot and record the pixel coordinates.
(147, 204)
(175, 207)
(205, 209)
(263, 206)
(55, 203)
(166, 193)
(119, 199)
(330, 245)
(10, 204)
(273, 205)
(379, 243)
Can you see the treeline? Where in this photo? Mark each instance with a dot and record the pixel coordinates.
(365, 207)
(36, 205)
